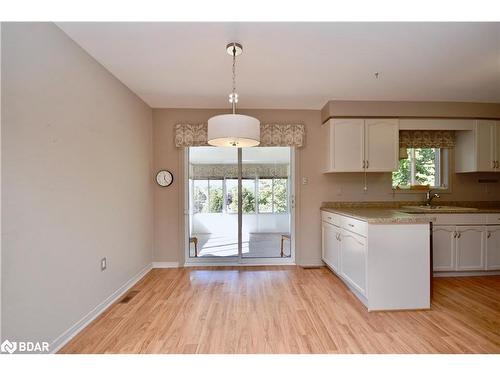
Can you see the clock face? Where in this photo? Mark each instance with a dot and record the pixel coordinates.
(164, 178)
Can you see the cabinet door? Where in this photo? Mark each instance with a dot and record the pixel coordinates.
(381, 145)
(331, 245)
(348, 145)
(469, 248)
(485, 145)
(353, 260)
(443, 248)
(493, 248)
(497, 146)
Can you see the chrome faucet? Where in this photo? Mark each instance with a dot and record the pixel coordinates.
(429, 197)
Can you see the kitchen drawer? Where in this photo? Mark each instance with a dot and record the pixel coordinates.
(354, 225)
(460, 219)
(330, 218)
(493, 219)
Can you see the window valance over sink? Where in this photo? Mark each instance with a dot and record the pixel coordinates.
(278, 135)
(426, 139)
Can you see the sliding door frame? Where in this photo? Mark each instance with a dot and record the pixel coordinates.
(238, 260)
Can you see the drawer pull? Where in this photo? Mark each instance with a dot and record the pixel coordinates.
(351, 225)
(489, 235)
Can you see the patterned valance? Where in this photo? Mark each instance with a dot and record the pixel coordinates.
(282, 135)
(203, 171)
(187, 135)
(426, 138)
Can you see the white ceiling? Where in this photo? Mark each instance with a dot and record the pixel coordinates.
(297, 65)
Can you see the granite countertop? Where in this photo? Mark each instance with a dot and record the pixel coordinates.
(381, 215)
(403, 213)
(454, 210)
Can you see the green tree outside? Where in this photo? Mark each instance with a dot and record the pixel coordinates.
(280, 195)
(216, 200)
(425, 168)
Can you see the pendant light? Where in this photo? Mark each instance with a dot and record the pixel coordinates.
(233, 130)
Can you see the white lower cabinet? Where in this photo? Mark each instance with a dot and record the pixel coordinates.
(443, 248)
(470, 248)
(493, 247)
(353, 259)
(386, 266)
(331, 245)
(466, 247)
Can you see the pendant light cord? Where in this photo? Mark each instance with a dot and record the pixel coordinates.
(234, 97)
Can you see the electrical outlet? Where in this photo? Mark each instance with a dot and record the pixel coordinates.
(103, 264)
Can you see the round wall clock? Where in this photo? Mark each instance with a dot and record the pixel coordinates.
(164, 178)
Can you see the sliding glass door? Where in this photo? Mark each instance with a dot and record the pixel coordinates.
(266, 215)
(239, 203)
(213, 209)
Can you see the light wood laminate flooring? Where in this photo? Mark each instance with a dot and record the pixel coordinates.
(288, 309)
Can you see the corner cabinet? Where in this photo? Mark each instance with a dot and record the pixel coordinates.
(478, 150)
(361, 145)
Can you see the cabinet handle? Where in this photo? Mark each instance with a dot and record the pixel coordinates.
(367, 164)
(351, 225)
(488, 235)
(454, 234)
(458, 235)
(364, 164)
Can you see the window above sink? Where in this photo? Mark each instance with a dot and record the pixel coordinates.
(421, 169)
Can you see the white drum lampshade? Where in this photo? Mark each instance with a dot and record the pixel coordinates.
(233, 130)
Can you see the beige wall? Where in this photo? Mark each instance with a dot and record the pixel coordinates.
(76, 182)
(168, 217)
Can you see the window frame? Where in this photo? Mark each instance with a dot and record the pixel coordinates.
(256, 195)
(444, 177)
(273, 211)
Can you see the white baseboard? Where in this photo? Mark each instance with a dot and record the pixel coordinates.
(319, 263)
(465, 273)
(246, 263)
(165, 264)
(71, 332)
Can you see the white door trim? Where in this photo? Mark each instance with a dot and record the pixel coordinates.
(237, 260)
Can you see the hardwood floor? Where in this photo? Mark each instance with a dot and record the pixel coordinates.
(287, 309)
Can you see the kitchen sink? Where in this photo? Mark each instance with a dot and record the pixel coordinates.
(424, 208)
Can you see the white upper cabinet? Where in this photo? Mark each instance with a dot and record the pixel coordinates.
(478, 150)
(358, 145)
(381, 145)
(345, 145)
